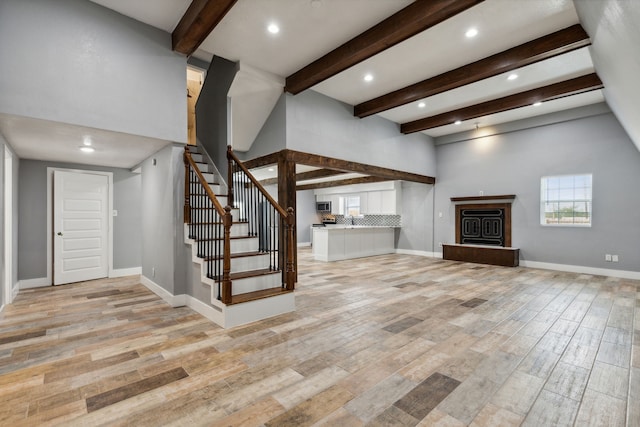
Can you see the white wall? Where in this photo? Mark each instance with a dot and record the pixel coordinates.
(513, 163)
(76, 62)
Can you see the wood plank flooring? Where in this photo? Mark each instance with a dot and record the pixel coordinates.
(393, 340)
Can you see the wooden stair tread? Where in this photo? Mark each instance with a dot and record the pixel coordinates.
(222, 238)
(256, 295)
(238, 255)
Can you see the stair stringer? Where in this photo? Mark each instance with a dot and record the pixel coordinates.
(228, 316)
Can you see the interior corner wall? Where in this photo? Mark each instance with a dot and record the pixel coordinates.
(76, 62)
(212, 112)
(32, 211)
(272, 136)
(514, 163)
(320, 125)
(416, 233)
(158, 222)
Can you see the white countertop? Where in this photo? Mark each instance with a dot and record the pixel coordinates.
(349, 227)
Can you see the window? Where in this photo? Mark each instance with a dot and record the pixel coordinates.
(352, 206)
(565, 200)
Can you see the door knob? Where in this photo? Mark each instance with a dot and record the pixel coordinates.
(59, 233)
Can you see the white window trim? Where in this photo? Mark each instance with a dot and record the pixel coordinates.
(570, 225)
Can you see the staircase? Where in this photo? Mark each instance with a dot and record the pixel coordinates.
(243, 244)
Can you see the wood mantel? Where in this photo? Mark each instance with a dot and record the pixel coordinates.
(481, 198)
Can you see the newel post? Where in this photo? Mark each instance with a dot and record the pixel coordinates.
(226, 264)
(187, 207)
(291, 249)
(229, 176)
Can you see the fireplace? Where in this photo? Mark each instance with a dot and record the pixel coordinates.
(483, 231)
(484, 224)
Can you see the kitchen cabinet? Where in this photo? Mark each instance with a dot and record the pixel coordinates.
(382, 203)
(345, 242)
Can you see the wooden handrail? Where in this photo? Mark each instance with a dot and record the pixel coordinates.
(231, 156)
(204, 183)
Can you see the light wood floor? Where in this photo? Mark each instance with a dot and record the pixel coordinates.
(393, 340)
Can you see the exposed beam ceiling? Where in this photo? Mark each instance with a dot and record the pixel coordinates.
(348, 166)
(546, 47)
(340, 182)
(574, 86)
(413, 19)
(198, 21)
(305, 176)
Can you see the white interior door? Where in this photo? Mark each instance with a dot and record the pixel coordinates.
(80, 219)
(8, 227)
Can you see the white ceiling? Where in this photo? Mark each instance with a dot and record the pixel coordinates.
(311, 28)
(63, 141)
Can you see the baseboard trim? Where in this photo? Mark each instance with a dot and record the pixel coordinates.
(40, 282)
(122, 272)
(14, 291)
(172, 300)
(2, 308)
(214, 314)
(623, 274)
(304, 244)
(417, 253)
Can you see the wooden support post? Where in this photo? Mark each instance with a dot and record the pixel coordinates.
(287, 199)
(229, 176)
(291, 270)
(187, 207)
(226, 266)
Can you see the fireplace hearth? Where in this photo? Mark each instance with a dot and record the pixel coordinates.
(483, 231)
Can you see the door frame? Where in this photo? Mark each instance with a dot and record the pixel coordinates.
(8, 290)
(50, 171)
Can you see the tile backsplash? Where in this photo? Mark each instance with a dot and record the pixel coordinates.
(372, 220)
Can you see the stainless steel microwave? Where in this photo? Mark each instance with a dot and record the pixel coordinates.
(323, 207)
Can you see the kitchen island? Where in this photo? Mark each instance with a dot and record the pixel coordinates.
(338, 242)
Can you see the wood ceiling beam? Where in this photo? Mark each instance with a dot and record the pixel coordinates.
(196, 24)
(305, 176)
(413, 19)
(570, 87)
(268, 159)
(340, 182)
(348, 166)
(549, 46)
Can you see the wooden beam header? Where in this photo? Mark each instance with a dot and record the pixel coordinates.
(413, 19)
(349, 166)
(340, 182)
(570, 87)
(549, 46)
(196, 24)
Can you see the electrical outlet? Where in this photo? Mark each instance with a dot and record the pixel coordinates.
(439, 244)
(614, 258)
(607, 257)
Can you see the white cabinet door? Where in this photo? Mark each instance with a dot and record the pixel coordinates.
(374, 202)
(388, 202)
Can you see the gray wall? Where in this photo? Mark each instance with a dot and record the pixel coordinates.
(212, 124)
(320, 125)
(32, 211)
(272, 136)
(417, 217)
(612, 26)
(54, 52)
(305, 214)
(158, 222)
(513, 163)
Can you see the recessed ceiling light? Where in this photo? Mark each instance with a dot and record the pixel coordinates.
(368, 77)
(271, 169)
(87, 149)
(457, 122)
(537, 104)
(422, 105)
(471, 33)
(512, 76)
(273, 29)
